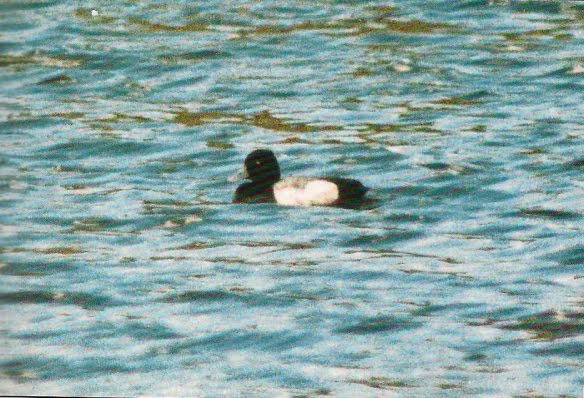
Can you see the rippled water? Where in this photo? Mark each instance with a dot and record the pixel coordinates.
(127, 271)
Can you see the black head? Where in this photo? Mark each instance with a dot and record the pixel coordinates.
(262, 166)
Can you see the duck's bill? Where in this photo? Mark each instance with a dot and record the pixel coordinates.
(240, 176)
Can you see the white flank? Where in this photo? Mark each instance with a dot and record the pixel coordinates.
(299, 191)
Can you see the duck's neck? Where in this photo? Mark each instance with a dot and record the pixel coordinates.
(266, 181)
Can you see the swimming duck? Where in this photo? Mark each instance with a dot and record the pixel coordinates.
(262, 168)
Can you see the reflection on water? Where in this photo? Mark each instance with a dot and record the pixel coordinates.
(127, 271)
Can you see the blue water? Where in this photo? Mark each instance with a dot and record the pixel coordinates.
(127, 271)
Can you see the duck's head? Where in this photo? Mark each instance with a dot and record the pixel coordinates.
(261, 165)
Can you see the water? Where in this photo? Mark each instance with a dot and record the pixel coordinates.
(127, 271)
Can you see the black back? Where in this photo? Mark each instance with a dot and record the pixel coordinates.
(351, 192)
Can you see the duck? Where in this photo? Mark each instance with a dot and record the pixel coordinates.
(266, 186)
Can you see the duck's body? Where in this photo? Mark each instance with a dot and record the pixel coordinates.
(266, 186)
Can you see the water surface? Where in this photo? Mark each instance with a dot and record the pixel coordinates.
(127, 271)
